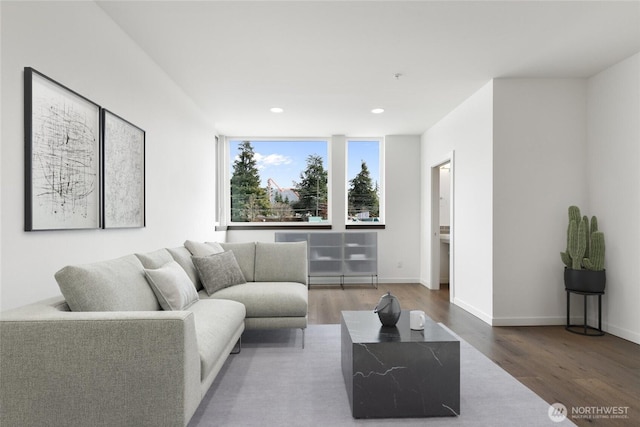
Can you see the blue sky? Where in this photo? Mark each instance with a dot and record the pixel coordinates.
(283, 161)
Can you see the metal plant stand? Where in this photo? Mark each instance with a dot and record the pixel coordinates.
(584, 329)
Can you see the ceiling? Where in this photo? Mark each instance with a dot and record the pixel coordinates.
(328, 63)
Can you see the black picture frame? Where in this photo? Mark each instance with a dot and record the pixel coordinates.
(62, 156)
(123, 173)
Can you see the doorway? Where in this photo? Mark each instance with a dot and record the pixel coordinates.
(442, 227)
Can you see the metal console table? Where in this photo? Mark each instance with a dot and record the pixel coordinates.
(338, 254)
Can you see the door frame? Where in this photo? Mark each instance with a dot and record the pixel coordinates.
(435, 224)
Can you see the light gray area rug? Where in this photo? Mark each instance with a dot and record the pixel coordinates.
(274, 382)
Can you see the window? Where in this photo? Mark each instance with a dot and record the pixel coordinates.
(278, 181)
(364, 181)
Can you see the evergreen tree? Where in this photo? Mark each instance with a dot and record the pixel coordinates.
(248, 199)
(312, 188)
(363, 195)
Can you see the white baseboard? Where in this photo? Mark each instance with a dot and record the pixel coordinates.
(398, 280)
(621, 332)
(471, 309)
(426, 285)
(533, 321)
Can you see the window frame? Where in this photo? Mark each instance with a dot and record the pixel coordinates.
(225, 168)
(381, 184)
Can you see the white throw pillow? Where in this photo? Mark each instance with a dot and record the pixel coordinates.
(172, 286)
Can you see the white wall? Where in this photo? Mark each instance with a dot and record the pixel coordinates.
(1, 209)
(76, 44)
(466, 131)
(399, 242)
(547, 144)
(539, 158)
(445, 196)
(614, 188)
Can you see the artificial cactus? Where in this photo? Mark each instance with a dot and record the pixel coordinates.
(595, 261)
(585, 244)
(574, 213)
(593, 227)
(585, 219)
(577, 243)
(574, 216)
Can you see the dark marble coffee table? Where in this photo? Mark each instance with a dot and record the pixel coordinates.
(393, 372)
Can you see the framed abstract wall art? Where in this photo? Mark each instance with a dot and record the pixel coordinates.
(123, 173)
(62, 156)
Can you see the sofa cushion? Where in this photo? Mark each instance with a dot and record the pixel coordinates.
(183, 257)
(172, 286)
(155, 259)
(216, 322)
(281, 262)
(268, 299)
(203, 249)
(113, 285)
(218, 271)
(245, 254)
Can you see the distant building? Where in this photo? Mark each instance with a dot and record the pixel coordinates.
(284, 194)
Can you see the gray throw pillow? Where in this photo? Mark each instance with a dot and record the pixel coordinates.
(172, 286)
(218, 271)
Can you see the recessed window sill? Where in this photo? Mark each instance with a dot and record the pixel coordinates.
(254, 227)
(371, 226)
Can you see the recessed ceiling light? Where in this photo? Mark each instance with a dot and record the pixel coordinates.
(276, 110)
(377, 110)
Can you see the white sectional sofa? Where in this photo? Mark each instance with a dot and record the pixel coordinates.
(122, 347)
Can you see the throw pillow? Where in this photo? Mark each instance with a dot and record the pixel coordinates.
(182, 256)
(113, 285)
(155, 259)
(218, 271)
(245, 254)
(203, 249)
(172, 286)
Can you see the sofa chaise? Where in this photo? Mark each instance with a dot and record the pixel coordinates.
(116, 350)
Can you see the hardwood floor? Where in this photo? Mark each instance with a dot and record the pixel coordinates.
(583, 373)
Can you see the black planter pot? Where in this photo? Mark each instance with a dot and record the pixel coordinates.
(584, 280)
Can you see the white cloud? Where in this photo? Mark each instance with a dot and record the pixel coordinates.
(263, 161)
